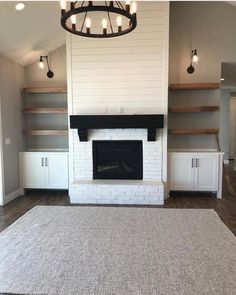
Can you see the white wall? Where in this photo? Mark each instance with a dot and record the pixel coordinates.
(207, 26)
(11, 82)
(128, 74)
(13, 78)
(210, 28)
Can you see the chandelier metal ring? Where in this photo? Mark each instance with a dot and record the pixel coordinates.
(66, 15)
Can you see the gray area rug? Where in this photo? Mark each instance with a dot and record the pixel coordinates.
(115, 250)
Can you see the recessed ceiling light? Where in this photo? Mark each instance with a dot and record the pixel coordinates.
(222, 79)
(20, 6)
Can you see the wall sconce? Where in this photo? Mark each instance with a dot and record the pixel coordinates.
(194, 59)
(50, 73)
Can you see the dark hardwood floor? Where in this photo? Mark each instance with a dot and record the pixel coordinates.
(225, 207)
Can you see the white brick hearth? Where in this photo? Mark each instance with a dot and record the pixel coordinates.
(118, 192)
(147, 191)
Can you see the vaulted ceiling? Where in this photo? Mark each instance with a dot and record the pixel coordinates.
(26, 34)
(32, 32)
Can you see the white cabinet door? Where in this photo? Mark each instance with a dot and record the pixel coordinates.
(32, 171)
(206, 174)
(57, 171)
(181, 172)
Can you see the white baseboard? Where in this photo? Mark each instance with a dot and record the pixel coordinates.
(10, 197)
(226, 162)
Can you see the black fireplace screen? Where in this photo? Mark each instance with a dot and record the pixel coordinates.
(117, 159)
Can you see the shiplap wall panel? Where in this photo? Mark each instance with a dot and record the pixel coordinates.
(127, 72)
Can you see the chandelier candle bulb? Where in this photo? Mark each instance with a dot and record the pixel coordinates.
(73, 21)
(88, 24)
(63, 7)
(104, 26)
(127, 5)
(119, 23)
(72, 4)
(134, 8)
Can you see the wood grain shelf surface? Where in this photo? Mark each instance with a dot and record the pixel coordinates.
(39, 90)
(46, 110)
(46, 132)
(193, 131)
(197, 109)
(195, 86)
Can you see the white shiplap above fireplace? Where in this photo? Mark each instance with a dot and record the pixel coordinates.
(127, 73)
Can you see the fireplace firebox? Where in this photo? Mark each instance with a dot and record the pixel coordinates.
(117, 159)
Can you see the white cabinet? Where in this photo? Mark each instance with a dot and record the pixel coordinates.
(207, 172)
(181, 172)
(57, 171)
(195, 171)
(44, 170)
(32, 170)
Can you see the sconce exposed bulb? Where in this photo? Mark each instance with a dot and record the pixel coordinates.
(41, 63)
(195, 56)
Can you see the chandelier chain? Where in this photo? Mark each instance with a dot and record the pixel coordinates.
(109, 18)
(82, 27)
(121, 4)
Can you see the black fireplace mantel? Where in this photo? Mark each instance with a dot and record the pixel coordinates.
(85, 122)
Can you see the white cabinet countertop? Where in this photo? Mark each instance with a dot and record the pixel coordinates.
(194, 151)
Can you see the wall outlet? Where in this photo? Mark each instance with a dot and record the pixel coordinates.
(7, 141)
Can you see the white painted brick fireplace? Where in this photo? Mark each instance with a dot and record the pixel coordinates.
(120, 76)
(147, 191)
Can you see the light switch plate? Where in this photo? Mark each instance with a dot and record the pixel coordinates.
(7, 141)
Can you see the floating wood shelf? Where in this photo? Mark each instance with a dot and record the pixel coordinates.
(198, 109)
(46, 132)
(39, 90)
(193, 131)
(46, 110)
(195, 86)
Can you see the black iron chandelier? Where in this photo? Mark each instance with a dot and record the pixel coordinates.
(116, 19)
